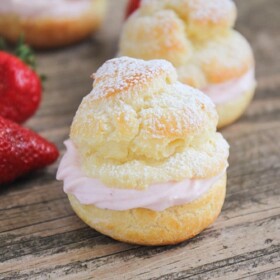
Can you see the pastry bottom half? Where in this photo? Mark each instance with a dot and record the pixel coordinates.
(49, 32)
(230, 111)
(147, 227)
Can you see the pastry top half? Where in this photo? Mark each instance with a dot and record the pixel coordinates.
(196, 36)
(140, 126)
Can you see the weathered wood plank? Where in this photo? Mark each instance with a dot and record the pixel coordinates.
(208, 246)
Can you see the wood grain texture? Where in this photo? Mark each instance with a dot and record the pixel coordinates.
(41, 237)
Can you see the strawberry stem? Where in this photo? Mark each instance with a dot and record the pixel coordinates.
(25, 53)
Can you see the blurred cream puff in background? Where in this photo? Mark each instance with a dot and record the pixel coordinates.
(50, 23)
(197, 37)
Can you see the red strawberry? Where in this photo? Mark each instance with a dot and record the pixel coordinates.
(22, 150)
(132, 6)
(20, 89)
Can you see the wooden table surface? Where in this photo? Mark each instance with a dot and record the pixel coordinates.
(42, 238)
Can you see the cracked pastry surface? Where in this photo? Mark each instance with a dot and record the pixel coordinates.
(197, 37)
(140, 126)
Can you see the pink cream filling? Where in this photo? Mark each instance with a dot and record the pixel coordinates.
(231, 90)
(45, 8)
(158, 197)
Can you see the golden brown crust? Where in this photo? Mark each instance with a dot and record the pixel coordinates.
(160, 36)
(49, 32)
(204, 19)
(225, 58)
(139, 119)
(213, 52)
(217, 61)
(147, 227)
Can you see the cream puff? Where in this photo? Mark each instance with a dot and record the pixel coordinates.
(144, 162)
(197, 37)
(50, 23)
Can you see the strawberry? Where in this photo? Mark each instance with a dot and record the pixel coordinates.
(22, 151)
(20, 88)
(132, 6)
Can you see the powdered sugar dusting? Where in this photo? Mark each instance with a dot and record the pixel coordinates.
(178, 30)
(179, 112)
(205, 160)
(154, 129)
(214, 10)
(120, 74)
